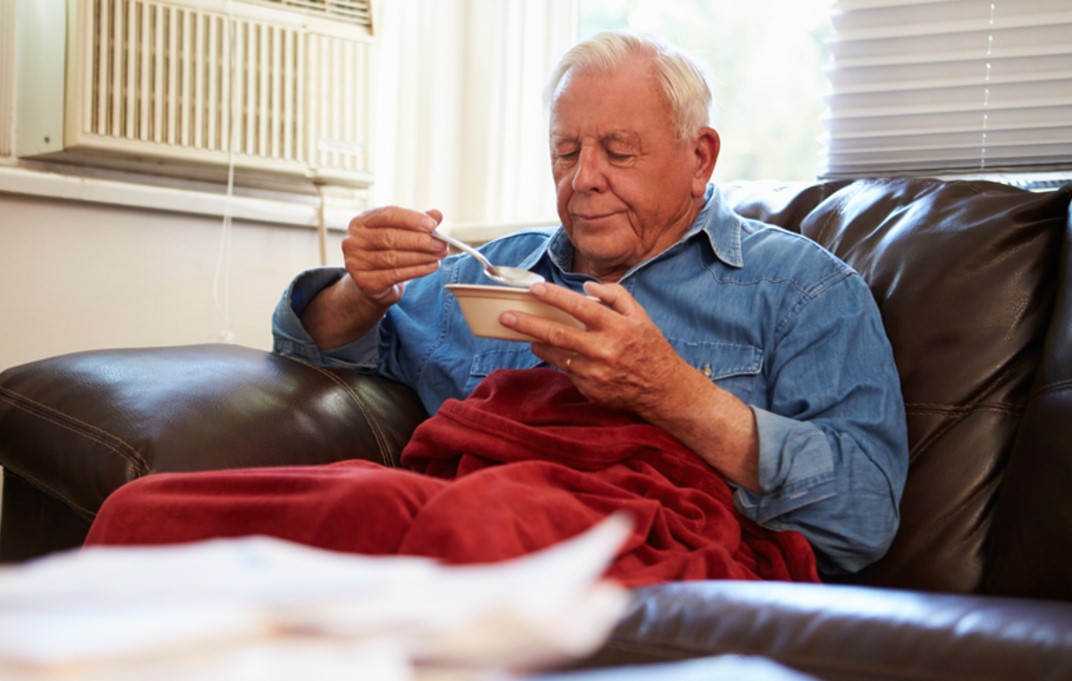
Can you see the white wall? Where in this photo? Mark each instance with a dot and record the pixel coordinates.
(78, 276)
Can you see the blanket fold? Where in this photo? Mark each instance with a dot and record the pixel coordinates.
(524, 462)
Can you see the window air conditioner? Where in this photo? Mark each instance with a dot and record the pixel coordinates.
(278, 88)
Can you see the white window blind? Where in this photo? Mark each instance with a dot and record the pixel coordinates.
(949, 86)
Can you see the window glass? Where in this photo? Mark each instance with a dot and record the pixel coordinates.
(765, 61)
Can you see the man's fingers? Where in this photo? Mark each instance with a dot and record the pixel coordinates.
(398, 218)
(602, 305)
(613, 296)
(383, 279)
(392, 239)
(435, 215)
(595, 315)
(589, 312)
(545, 331)
(394, 228)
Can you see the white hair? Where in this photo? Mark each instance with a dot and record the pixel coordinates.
(681, 77)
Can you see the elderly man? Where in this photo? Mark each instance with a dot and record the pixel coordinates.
(759, 351)
(755, 349)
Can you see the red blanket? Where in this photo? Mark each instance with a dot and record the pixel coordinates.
(524, 462)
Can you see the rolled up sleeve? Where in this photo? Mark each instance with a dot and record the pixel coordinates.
(289, 337)
(795, 463)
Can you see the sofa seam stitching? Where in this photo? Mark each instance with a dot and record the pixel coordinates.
(52, 492)
(67, 421)
(1052, 386)
(962, 410)
(381, 441)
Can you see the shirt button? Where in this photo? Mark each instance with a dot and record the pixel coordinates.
(707, 370)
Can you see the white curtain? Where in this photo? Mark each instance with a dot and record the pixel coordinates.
(7, 77)
(459, 121)
(950, 86)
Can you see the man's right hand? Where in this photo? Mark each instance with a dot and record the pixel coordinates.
(386, 247)
(383, 249)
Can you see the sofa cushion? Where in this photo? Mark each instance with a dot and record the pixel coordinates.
(964, 274)
(785, 204)
(1031, 539)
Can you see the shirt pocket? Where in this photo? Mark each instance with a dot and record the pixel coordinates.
(517, 357)
(736, 368)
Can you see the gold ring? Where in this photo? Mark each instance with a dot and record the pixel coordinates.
(569, 360)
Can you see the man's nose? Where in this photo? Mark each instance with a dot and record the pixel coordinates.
(589, 174)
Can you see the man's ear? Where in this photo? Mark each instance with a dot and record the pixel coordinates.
(706, 149)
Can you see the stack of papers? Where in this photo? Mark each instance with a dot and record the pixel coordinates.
(265, 609)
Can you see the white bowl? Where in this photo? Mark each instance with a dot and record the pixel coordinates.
(482, 306)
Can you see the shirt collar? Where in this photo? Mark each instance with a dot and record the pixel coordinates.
(721, 226)
(716, 221)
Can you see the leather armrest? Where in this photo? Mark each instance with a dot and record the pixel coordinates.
(847, 632)
(78, 426)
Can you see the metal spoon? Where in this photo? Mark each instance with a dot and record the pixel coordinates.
(511, 276)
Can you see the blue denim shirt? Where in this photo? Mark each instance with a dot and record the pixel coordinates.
(764, 313)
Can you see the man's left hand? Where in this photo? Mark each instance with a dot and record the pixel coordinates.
(621, 359)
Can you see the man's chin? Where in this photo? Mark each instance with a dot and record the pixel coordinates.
(600, 259)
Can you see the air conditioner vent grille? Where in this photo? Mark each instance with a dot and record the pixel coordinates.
(356, 12)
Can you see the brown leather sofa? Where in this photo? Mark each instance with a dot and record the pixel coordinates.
(974, 281)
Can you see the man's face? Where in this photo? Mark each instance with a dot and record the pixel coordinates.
(627, 187)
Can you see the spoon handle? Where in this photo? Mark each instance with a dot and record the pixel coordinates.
(461, 245)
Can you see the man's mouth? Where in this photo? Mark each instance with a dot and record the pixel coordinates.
(592, 217)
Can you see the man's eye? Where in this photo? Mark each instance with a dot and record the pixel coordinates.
(620, 157)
